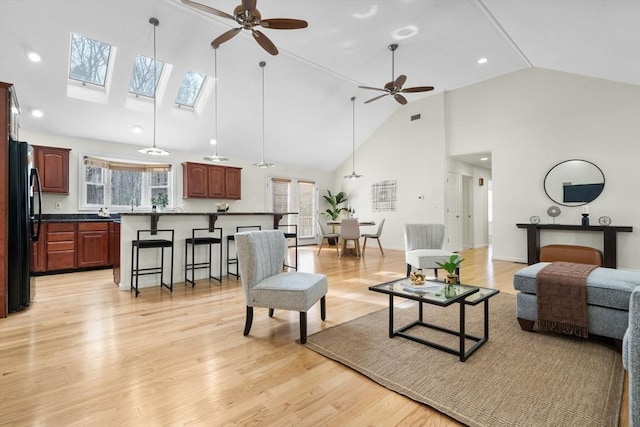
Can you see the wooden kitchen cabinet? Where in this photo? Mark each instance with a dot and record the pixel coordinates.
(216, 182)
(93, 244)
(195, 180)
(53, 165)
(60, 246)
(39, 251)
(233, 183)
(211, 181)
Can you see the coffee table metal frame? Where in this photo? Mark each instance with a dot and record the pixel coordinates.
(467, 295)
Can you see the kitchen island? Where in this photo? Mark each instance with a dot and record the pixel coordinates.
(182, 223)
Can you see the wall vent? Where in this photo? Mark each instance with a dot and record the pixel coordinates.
(415, 117)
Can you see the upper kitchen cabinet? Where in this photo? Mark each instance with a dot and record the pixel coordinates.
(233, 183)
(211, 181)
(53, 165)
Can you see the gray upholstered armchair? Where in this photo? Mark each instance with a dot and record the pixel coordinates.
(261, 256)
(423, 246)
(631, 357)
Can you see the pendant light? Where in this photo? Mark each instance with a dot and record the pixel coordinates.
(353, 175)
(262, 163)
(154, 151)
(214, 141)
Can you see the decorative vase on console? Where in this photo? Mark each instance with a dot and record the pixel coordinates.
(585, 216)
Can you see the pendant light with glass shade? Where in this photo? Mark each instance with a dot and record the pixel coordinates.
(214, 141)
(353, 174)
(154, 151)
(262, 163)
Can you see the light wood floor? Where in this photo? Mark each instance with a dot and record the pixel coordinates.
(88, 354)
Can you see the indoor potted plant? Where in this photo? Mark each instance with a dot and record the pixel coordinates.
(335, 200)
(451, 279)
(159, 201)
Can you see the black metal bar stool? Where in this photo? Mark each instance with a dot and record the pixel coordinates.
(212, 238)
(291, 232)
(139, 244)
(232, 238)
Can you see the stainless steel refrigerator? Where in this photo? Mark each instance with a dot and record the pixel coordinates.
(24, 224)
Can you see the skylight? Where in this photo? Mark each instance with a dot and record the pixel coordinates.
(190, 89)
(89, 60)
(142, 78)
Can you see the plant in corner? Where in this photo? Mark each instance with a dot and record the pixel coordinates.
(450, 267)
(161, 200)
(335, 200)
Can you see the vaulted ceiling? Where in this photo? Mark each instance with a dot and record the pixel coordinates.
(308, 86)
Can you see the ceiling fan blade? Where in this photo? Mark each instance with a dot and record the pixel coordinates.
(377, 97)
(226, 36)
(417, 89)
(389, 86)
(372, 88)
(401, 99)
(265, 42)
(249, 5)
(400, 81)
(208, 9)
(283, 23)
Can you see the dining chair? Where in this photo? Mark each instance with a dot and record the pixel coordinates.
(376, 236)
(350, 230)
(325, 235)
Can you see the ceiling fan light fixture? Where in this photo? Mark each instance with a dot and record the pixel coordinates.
(214, 141)
(262, 164)
(154, 151)
(353, 174)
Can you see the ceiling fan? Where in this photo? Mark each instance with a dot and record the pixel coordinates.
(394, 87)
(248, 17)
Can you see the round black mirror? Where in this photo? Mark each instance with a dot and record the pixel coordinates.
(574, 182)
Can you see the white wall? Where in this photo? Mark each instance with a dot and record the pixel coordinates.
(413, 154)
(529, 120)
(254, 196)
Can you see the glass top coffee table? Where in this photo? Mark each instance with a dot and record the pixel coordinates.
(432, 292)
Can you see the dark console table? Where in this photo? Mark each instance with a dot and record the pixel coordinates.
(609, 254)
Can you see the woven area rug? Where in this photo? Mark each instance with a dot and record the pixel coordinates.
(516, 379)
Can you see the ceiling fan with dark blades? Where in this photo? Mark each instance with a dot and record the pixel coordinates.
(394, 87)
(249, 17)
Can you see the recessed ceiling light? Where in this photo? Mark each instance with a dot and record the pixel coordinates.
(37, 113)
(213, 141)
(136, 129)
(484, 159)
(34, 56)
(371, 12)
(404, 32)
(482, 61)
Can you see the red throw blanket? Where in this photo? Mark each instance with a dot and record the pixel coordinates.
(562, 298)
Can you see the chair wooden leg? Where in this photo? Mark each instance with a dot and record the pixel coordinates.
(303, 327)
(271, 312)
(323, 308)
(248, 321)
(338, 247)
(364, 246)
(380, 246)
(320, 248)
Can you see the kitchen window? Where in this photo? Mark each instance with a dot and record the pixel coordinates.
(120, 185)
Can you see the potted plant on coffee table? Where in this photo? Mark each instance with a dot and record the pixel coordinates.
(452, 278)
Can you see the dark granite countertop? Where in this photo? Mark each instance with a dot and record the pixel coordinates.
(79, 217)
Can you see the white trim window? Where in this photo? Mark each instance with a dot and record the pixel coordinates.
(120, 185)
(296, 195)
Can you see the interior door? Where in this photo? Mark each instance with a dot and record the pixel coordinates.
(467, 212)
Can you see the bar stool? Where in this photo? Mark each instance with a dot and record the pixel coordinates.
(291, 232)
(210, 240)
(139, 244)
(232, 238)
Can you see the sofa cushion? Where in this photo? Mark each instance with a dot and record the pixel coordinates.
(607, 287)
